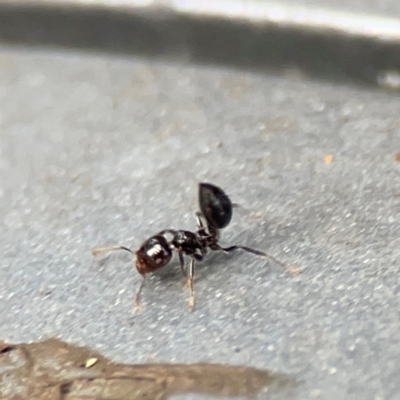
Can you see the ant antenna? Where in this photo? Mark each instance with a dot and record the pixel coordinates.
(100, 250)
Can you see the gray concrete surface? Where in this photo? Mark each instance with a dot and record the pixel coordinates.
(97, 151)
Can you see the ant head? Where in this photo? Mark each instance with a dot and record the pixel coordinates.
(215, 205)
(153, 254)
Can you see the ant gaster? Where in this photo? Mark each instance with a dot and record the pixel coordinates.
(156, 252)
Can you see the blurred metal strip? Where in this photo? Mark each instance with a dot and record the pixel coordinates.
(252, 35)
(294, 17)
(299, 17)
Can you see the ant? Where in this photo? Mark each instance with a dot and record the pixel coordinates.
(156, 252)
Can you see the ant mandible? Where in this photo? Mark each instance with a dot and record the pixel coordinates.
(156, 252)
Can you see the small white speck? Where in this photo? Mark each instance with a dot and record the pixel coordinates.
(389, 79)
(13, 220)
(36, 80)
(316, 393)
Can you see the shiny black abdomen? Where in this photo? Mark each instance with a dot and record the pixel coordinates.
(215, 205)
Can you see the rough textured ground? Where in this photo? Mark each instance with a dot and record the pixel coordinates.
(97, 151)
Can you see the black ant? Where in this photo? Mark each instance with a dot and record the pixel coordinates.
(156, 252)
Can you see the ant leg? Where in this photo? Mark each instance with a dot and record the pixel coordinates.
(200, 220)
(182, 263)
(190, 283)
(138, 304)
(100, 250)
(292, 270)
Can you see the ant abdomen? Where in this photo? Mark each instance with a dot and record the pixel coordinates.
(215, 205)
(154, 253)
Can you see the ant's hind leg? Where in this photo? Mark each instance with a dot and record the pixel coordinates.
(292, 270)
(201, 223)
(190, 284)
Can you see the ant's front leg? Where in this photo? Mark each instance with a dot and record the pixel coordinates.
(138, 304)
(292, 270)
(100, 250)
